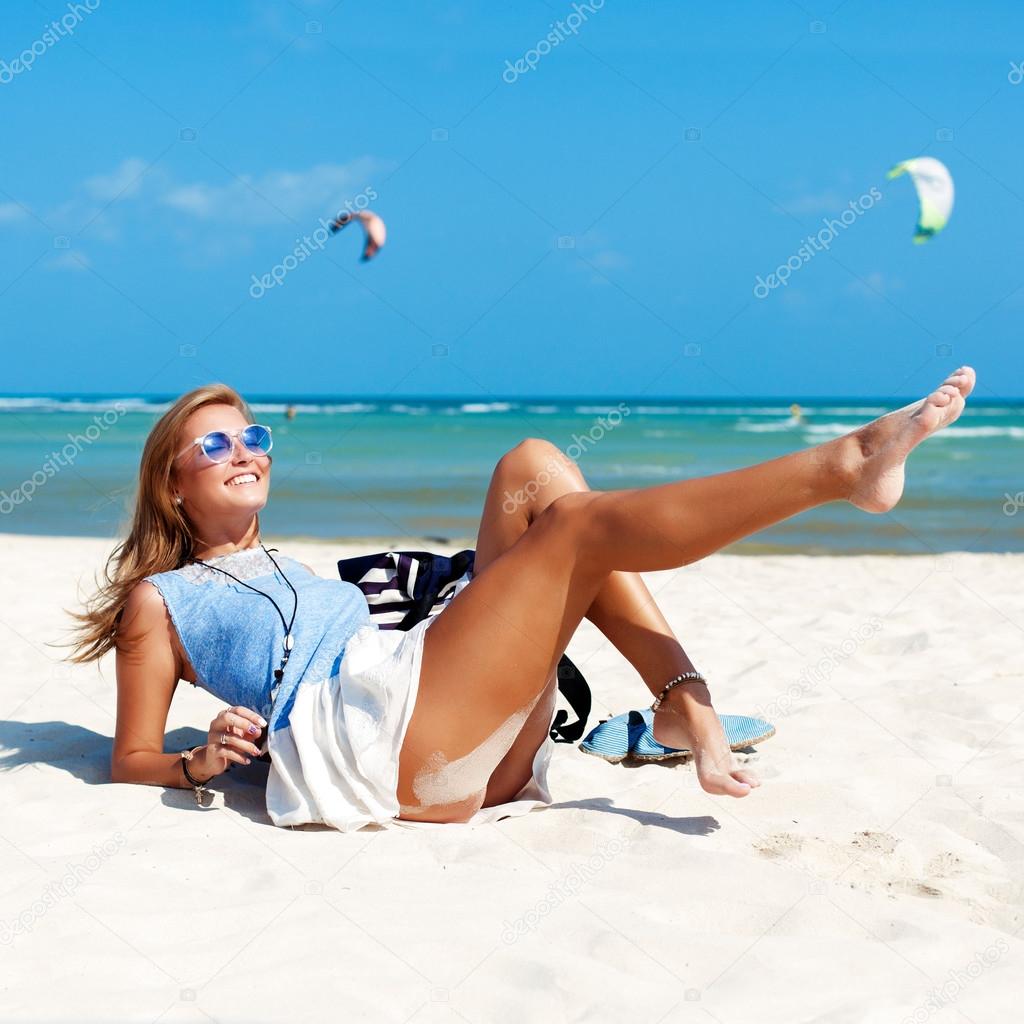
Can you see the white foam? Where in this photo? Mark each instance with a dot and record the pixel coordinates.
(478, 407)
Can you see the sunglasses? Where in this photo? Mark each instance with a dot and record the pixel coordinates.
(218, 445)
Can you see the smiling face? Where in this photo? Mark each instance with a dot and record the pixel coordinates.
(216, 495)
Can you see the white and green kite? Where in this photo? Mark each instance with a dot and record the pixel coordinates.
(934, 186)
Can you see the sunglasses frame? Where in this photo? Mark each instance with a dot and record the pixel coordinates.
(232, 435)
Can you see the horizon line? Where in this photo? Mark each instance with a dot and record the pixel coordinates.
(297, 397)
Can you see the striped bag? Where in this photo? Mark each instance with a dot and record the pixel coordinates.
(404, 587)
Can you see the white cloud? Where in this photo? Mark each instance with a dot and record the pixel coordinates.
(828, 201)
(261, 199)
(10, 212)
(874, 285)
(75, 262)
(123, 181)
(609, 259)
(106, 207)
(599, 257)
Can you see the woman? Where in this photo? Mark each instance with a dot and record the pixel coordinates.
(449, 721)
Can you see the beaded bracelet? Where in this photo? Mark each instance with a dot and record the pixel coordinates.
(197, 786)
(685, 677)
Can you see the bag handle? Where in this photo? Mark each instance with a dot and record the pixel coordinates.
(575, 689)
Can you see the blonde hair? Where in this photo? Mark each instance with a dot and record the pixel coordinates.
(160, 538)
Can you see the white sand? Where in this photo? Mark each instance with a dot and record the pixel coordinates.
(876, 876)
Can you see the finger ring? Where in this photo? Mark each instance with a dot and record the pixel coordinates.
(223, 737)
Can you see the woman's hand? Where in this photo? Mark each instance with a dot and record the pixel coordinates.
(230, 738)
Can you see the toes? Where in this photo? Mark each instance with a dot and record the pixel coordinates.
(962, 379)
(733, 787)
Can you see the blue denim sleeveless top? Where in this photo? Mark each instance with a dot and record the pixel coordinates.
(234, 637)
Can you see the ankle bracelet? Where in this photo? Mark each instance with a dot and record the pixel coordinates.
(685, 677)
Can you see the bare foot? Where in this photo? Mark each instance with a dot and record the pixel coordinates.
(687, 720)
(886, 442)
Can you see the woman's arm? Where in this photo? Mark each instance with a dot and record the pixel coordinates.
(147, 674)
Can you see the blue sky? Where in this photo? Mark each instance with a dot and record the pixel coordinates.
(594, 225)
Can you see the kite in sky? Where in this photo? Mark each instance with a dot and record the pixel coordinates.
(934, 186)
(373, 227)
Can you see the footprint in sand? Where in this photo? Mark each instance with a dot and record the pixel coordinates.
(868, 860)
(967, 882)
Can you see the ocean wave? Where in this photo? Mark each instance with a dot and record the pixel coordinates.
(1017, 433)
(752, 418)
(132, 404)
(994, 410)
(846, 410)
(478, 407)
(759, 410)
(326, 409)
(768, 428)
(411, 410)
(47, 404)
(836, 429)
(815, 429)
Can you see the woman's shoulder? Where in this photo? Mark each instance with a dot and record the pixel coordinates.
(146, 633)
(144, 614)
(144, 599)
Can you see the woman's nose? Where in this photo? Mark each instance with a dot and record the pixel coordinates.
(239, 452)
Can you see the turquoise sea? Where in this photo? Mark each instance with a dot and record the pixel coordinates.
(396, 468)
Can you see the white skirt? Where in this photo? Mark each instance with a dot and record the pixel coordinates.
(336, 762)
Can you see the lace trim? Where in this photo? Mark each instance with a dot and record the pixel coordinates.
(246, 565)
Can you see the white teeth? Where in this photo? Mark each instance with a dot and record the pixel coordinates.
(242, 478)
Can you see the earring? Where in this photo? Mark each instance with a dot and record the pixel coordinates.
(177, 499)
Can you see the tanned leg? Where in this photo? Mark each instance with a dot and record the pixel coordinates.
(525, 481)
(488, 658)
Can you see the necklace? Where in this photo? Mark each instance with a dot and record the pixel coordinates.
(289, 640)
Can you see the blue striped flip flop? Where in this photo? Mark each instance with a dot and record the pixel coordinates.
(632, 735)
(613, 739)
